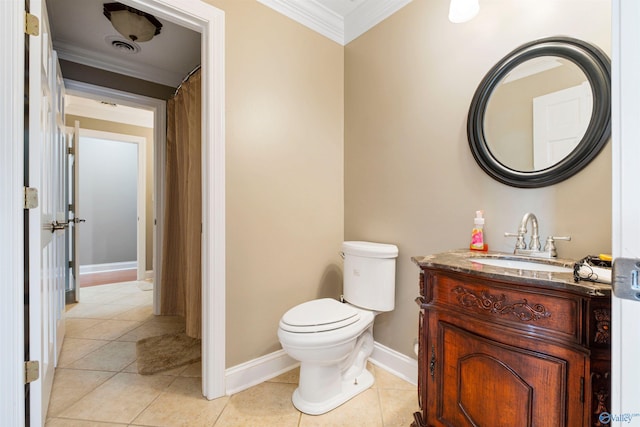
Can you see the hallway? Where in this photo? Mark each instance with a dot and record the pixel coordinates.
(97, 385)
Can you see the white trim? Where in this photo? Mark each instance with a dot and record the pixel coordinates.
(625, 108)
(340, 29)
(395, 363)
(11, 213)
(256, 371)
(368, 15)
(159, 108)
(210, 22)
(107, 267)
(312, 15)
(90, 58)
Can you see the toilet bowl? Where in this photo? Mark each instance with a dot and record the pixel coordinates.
(332, 354)
(333, 339)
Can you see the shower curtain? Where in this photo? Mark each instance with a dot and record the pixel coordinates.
(181, 263)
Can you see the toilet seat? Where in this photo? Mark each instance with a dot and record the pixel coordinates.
(319, 315)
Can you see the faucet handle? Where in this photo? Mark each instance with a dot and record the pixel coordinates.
(520, 244)
(550, 245)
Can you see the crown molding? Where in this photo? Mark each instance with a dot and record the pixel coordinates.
(311, 14)
(368, 15)
(69, 52)
(340, 29)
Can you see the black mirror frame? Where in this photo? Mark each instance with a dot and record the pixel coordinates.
(597, 67)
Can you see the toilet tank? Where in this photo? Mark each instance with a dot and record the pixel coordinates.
(370, 275)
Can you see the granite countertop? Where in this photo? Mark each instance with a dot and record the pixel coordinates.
(460, 261)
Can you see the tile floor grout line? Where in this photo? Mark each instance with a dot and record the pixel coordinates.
(222, 411)
(152, 401)
(79, 398)
(67, 366)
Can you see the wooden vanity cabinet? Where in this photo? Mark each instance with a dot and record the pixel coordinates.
(497, 352)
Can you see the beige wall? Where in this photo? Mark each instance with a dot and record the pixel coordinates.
(284, 172)
(410, 178)
(107, 126)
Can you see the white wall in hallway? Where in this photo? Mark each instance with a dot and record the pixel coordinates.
(108, 197)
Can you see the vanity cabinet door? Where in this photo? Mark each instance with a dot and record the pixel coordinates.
(479, 381)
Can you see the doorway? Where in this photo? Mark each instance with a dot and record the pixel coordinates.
(209, 22)
(113, 200)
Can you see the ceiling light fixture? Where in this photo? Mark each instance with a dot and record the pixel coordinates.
(134, 24)
(463, 10)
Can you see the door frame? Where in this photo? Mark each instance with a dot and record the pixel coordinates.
(159, 144)
(141, 195)
(209, 21)
(625, 109)
(12, 404)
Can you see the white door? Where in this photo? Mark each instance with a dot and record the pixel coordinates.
(13, 133)
(59, 205)
(47, 225)
(625, 341)
(560, 119)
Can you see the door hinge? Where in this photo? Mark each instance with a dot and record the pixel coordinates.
(70, 150)
(31, 371)
(71, 209)
(31, 24)
(71, 263)
(30, 198)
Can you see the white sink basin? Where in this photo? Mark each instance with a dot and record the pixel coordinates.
(522, 265)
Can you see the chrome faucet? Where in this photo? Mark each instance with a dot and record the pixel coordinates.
(534, 248)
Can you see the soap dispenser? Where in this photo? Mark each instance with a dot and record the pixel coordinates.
(477, 234)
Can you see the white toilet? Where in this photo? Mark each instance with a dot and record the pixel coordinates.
(333, 340)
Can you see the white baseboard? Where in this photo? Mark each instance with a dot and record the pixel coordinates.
(256, 371)
(149, 274)
(113, 266)
(395, 363)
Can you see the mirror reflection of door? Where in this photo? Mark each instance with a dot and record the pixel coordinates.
(509, 119)
(560, 120)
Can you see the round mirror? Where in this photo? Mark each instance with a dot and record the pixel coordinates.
(542, 113)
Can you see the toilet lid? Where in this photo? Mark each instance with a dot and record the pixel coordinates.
(318, 316)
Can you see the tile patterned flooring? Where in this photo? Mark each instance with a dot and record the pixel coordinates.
(96, 383)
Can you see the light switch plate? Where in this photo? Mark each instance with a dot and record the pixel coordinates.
(626, 278)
